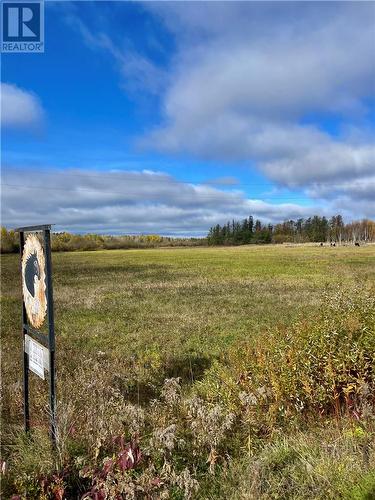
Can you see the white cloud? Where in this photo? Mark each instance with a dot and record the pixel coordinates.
(19, 108)
(247, 74)
(130, 202)
(270, 60)
(327, 161)
(353, 197)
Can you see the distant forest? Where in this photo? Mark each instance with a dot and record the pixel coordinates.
(312, 229)
(247, 231)
(68, 242)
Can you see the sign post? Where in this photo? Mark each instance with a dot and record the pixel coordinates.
(37, 304)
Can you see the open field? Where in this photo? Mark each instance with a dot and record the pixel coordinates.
(138, 317)
(176, 301)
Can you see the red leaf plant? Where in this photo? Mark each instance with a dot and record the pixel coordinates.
(126, 459)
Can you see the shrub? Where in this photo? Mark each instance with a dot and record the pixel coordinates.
(324, 367)
(9, 241)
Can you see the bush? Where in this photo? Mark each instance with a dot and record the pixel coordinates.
(320, 368)
(9, 241)
(67, 242)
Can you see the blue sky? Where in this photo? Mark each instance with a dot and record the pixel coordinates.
(171, 117)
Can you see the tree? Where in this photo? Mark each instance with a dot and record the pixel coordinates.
(314, 229)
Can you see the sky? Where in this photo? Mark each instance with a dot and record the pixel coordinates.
(171, 117)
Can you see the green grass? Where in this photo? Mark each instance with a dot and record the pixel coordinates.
(146, 315)
(179, 301)
(187, 305)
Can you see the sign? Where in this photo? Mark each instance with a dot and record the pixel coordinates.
(22, 26)
(38, 356)
(34, 281)
(37, 307)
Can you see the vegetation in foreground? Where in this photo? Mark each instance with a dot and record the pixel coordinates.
(202, 392)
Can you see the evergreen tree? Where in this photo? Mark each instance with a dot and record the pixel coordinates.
(314, 229)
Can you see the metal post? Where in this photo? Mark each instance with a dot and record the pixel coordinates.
(51, 334)
(25, 362)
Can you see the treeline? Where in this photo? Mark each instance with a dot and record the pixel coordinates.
(68, 242)
(312, 229)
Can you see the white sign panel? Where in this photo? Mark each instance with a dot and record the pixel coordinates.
(38, 356)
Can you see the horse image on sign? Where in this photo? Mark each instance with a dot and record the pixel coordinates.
(33, 281)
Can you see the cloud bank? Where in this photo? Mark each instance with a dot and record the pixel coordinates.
(127, 202)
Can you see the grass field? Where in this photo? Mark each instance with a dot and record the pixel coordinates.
(141, 316)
